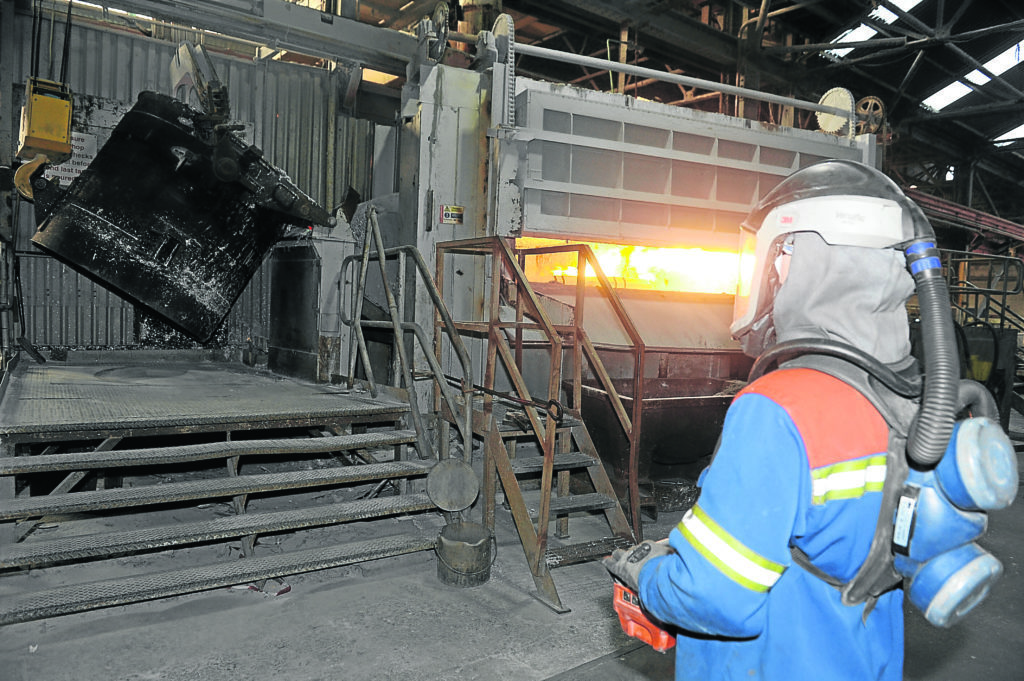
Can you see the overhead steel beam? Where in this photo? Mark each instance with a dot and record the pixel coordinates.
(968, 112)
(956, 49)
(825, 47)
(669, 33)
(952, 151)
(287, 26)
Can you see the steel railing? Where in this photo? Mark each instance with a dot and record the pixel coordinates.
(506, 260)
(442, 321)
(584, 347)
(980, 282)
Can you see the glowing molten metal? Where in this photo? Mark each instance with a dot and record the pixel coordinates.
(688, 270)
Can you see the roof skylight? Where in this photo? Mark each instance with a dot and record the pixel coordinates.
(1014, 134)
(998, 65)
(865, 32)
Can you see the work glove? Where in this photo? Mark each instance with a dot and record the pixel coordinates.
(625, 564)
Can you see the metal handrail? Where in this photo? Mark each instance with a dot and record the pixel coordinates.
(1015, 319)
(674, 78)
(504, 253)
(465, 422)
(357, 329)
(463, 425)
(968, 258)
(631, 424)
(399, 326)
(500, 250)
(503, 260)
(582, 345)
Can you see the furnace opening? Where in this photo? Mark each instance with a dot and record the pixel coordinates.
(630, 266)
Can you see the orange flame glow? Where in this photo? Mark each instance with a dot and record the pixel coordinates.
(689, 270)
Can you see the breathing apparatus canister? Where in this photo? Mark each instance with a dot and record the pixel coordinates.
(940, 514)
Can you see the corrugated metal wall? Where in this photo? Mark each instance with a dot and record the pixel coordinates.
(288, 109)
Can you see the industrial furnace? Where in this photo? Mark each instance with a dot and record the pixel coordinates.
(657, 193)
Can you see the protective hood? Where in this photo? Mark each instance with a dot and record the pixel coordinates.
(850, 294)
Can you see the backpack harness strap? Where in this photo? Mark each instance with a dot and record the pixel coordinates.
(876, 574)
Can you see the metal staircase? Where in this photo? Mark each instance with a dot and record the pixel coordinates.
(564, 444)
(245, 485)
(566, 479)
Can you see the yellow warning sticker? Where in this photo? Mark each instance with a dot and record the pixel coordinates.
(452, 215)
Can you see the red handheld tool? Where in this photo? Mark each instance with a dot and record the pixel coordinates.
(635, 622)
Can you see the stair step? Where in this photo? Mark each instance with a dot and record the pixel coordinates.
(575, 503)
(106, 593)
(49, 552)
(534, 464)
(99, 500)
(508, 430)
(581, 552)
(210, 450)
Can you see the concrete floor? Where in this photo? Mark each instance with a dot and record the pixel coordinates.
(390, 618)
(393, 618)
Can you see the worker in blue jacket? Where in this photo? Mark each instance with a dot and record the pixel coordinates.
(801, 463)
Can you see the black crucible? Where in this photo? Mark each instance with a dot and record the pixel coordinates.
(174, 215)
(680, 423)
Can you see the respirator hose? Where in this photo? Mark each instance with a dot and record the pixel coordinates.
(933, 426)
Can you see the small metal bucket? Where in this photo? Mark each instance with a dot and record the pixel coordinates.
(465, 553)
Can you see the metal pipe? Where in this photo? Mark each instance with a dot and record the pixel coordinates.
(824, 47)
(762, 16)
(360, 341)
(604, 64)
(775, 13)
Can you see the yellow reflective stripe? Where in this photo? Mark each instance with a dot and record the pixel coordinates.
(731, 557)
(848, 480)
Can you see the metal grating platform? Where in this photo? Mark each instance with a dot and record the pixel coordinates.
(100, 500)
(144, 395)
(141, 440)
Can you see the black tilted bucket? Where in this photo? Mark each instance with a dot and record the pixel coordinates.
(465, 552)
(173, 216)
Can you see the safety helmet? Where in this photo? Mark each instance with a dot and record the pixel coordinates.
(851, 204)
(846, 203)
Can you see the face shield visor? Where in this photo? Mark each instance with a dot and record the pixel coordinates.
(845, 220)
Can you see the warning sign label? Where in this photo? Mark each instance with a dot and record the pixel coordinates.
(452, 215)
(83, 148)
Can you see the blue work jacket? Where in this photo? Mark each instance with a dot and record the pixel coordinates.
(801, 463)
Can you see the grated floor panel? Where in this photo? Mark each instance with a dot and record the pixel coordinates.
(139, 394)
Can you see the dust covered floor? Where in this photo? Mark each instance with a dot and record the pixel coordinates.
(394, 619)
(387, 619)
